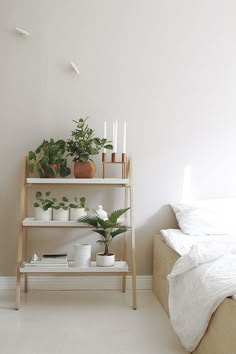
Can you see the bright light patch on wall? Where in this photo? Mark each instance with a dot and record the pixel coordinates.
(186, 192)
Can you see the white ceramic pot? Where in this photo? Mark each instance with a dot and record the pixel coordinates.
(60, 214)
(82, 257)
(43, 215)
(105, 261)
(76, 213)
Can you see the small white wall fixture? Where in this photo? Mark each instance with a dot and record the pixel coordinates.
(74, 67)
(22, 31)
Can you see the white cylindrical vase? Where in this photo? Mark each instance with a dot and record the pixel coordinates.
(76, 213)
(60, 214)
(43, 215)
(82, 255)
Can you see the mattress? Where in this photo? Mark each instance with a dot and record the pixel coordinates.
(182, 243)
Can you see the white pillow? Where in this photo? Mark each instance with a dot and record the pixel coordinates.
(209, 217)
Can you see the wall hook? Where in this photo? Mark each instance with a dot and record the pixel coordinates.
(74, 67)
(22, 31)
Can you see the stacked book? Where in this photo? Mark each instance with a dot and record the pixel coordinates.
(58, 260)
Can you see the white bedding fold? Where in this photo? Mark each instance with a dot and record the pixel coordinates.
(198, 283)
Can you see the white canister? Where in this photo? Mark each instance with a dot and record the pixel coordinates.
(82, 255)
(43, 215)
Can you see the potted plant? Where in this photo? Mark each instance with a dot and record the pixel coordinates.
(43, 206)
(107, 229)
(61, 209)
(77, 208)
(82, 145)
(48, 159)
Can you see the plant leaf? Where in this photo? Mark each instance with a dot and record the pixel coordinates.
(102, 233)
(118, 231)
(108, 146)
(32, 155)
(116, 214)
(40, 171)
(89, 220)
(38, 195)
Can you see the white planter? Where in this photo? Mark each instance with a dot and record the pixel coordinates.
(76, 213)
(60, 214)
(82, 255)
(43, 215)
(105, 261)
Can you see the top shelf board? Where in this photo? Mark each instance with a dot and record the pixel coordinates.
(83, 181)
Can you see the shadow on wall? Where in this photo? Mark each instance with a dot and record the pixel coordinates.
(164, 218)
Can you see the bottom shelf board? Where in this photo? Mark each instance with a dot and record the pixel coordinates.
(119, 267)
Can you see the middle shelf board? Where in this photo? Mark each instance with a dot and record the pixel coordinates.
(81, 181)
(32, 222)
(119, 267)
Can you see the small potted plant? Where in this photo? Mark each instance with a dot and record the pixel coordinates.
(43, 206)
(107, 229)
(82, 145)
(61, 209)
(48, 159)
(77, 208)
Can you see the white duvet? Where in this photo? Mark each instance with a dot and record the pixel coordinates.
(200, 280)
(181, 243)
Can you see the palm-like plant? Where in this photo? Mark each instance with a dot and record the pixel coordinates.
(107, 229)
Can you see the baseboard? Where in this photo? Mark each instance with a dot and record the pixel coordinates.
(143, 282)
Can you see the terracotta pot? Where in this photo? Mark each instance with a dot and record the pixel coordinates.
(54, 166)
(84, 169)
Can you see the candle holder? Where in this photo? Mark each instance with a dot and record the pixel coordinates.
(114, 162)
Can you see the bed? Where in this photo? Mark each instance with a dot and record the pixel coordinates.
(220, 335)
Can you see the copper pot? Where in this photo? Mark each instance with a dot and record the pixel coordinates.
(84, 169)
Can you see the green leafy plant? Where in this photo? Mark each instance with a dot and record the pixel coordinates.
(107, 229)
(78, 203)
(63, 203)
(47, 154)
(83, 144)
(43, 201)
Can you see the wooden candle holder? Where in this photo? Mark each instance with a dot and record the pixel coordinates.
(114, 162)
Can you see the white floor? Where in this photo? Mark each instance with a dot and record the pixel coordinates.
(85, 322)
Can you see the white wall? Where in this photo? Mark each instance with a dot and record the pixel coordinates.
(166, 67)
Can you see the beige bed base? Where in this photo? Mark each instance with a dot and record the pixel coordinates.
(220, 337)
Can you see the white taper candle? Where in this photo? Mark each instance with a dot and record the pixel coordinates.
(105, 133)
(124, 139)
(116, 134)
(113, 135)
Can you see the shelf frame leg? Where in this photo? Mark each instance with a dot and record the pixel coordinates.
(133, 256)
(26, 240)
(25, 258)
(124, 255)
(20, 233)
(18, 275)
